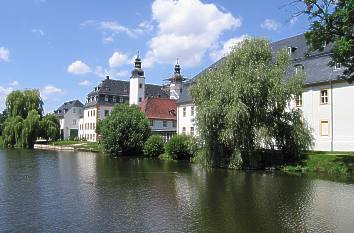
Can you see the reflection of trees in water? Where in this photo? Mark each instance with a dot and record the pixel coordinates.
(252, 202)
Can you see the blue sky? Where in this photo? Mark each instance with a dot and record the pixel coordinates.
(64, 48)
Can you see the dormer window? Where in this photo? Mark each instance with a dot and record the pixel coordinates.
(299, 69)
(289, 50)
(338, 66)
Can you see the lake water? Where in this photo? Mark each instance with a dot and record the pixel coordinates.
(44, 191)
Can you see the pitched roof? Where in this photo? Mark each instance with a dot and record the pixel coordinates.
(159, 108)
(315, 64)
(60, 112)
(121, 88)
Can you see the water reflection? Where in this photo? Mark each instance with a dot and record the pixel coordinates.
(77, 192)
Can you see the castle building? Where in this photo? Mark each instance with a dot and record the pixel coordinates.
(327, 101)
(69, 115)
(100, 101)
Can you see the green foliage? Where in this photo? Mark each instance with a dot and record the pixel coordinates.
(181, 147)
(23, 123)
(332, 21)
(242, 106)
(20, 103)
(50, 127)
(3, 117)
(154, 146)
(124, 131)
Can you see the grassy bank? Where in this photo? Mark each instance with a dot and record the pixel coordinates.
(330, 164)
(80, 145)
(1, 142)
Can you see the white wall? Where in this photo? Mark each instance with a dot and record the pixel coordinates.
(187, 120)
(90, 123)
(339, 112)
(71, 120)
(135, 92)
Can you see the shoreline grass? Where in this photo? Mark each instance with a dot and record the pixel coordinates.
(80, 145)
(330, 164)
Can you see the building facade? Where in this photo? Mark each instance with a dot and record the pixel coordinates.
(100, 101)
(162, 115)
(69, 115)
(327, 101)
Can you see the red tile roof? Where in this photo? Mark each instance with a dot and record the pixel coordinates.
(159, 108)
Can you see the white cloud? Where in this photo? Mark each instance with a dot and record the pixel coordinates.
(108, 39)
(38, 31)
(112, 73)
(4, 54)
(293, 20)
(225, 49)
(187, 29)
(3, 94)
(14, 83)
(117, 59)
(270, 25)
(78, 67)
(50, 90)
(85, 83)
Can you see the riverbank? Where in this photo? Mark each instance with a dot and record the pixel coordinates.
(68, 145)
(330, 164)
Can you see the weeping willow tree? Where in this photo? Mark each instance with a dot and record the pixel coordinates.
(242, 106)
(24, 122)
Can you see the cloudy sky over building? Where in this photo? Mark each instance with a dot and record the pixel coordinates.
(64, 48)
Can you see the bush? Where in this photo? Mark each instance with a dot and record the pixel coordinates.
(181, 147)
(125, 131)
(153, 147)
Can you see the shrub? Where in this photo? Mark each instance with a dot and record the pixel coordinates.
(153, 147)
(181, 147)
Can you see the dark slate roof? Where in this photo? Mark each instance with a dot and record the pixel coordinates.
(113, 87)
(315, 64)
(67, 106)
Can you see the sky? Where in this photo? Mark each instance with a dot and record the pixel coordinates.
(66, 47)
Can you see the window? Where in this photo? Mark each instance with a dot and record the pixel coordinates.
(88, 113)
(298, 100)
(139, 99)
(164, 124)
(184, 111)
(140, 85)
(121, 99)
(114, 99)
(74, 110)
(94, 112)
(192, 111)
(93, 126)
(289, 50)
(106, 113)
(74, 122)
(184, 130)
(338, 66)
(106, 98)
(174, 124)
(324, 128)
(151, 122)
(192, 131)
(324, 96)
(299, 69)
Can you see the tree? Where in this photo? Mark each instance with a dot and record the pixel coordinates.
(49, 127)
(332, 21)
(242, 106)
(20, 103)
(181, 147)
(124, 131)
(3, 117)
(22, 126)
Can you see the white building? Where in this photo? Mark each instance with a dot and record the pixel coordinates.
(100, 102)
(69, 115)
(327, 101)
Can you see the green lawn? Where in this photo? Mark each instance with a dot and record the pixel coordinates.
(80, 145)
(325, 163)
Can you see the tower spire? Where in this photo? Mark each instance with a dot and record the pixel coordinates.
(177, 67)
(137, 62)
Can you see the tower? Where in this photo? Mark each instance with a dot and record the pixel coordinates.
(176, 82)
(137, 83)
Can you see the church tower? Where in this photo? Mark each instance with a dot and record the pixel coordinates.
(176, 82)
(137, 83)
